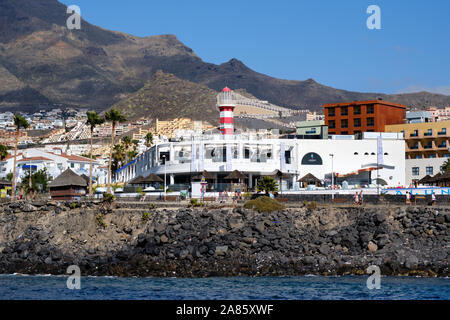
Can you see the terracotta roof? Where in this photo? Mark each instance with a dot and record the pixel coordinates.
(34, 159)
(73, 157)
(10, 156)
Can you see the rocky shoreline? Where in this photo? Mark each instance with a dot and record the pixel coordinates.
(45, 237)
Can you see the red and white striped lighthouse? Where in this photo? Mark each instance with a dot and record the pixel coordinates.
(226, 107)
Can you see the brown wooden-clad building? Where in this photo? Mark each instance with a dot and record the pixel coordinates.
(68, 186)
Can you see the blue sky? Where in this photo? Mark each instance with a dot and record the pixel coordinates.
(326, 40)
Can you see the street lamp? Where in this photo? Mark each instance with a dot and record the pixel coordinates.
(332, 176)
(164, 157)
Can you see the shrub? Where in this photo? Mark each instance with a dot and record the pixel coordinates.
(100, 221)
(196, 203)
(264, 204)
(73, 205)
(311, 205)
(108, 197)
(247, 195)
(145, 217)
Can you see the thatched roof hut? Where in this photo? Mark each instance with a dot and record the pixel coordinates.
(5, 183)
(426, 179)
(68, 186)
(137, 180)
(206, 174)
(277, 174)
(310, 179)
(85, 177)
(236, 175)
(152, 178)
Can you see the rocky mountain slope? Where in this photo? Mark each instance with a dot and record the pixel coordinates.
(165, 96)
(44, 63)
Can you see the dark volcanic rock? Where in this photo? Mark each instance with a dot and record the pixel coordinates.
(223, 242)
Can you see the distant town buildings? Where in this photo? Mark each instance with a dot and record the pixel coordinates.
(439, 114)
(418, 116)
(312, 129)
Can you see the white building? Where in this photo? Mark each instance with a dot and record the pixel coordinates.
(54, 161)
(256, 155)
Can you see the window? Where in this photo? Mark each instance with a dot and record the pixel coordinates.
(287, 156)
(246, 153)
(344, 132)
(72, 165)
(414, 134)
(370, 122)
(419, 156)
(312, 159)
(331, 112)
(369, 109)
(311, 131)
(356, 110)
(443, 132)
(415, 171)
(344, 111)
(432, 156)
(344, 123)
(332, 124)
(429, 170)
(357, 122)
(429, 132)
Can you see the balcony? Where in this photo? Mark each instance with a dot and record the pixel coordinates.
(428, 146)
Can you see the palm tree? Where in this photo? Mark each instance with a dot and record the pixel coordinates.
(114, 116)
(267, 184)
(3, 152)
(127, 143)
(446, 166)
(148, 139)
(93, 120)
(19, 122)
(118, 157)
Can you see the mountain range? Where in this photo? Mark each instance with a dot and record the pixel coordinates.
(43, 63)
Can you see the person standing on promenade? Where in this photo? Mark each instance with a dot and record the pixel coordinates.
(408, 198)
(433, 198)
(356, 198)
(361, 202)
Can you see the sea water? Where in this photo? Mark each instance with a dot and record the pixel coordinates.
(25, 287)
